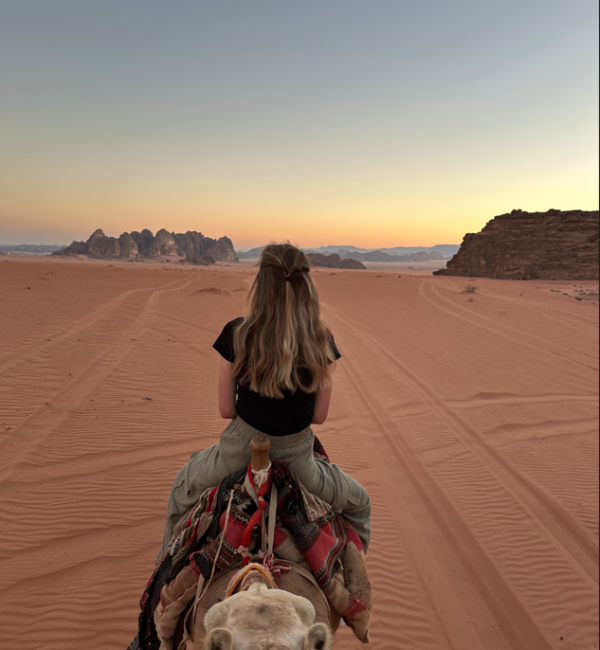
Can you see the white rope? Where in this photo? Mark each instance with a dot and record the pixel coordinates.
(199, 591)
(261, 476)
(272, 521)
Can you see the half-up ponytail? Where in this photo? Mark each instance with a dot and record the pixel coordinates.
(283, 340)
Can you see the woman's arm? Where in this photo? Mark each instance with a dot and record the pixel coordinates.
(227, 386)
(322, 404)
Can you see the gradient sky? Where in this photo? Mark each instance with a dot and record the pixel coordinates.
(374, 123)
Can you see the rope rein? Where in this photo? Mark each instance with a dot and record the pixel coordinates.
(267, 566)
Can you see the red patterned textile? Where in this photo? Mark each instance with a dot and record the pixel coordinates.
(318, 533)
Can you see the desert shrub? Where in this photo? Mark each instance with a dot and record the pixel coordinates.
(469, 288)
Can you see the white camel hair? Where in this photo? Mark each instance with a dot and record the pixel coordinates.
(264, 619)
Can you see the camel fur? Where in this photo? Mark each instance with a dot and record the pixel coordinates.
(264, 619)
(292, 588)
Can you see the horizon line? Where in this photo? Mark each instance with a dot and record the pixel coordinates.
(244, 249)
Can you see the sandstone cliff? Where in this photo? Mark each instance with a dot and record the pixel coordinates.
(551, 245)
(333, 261)
(146, 245)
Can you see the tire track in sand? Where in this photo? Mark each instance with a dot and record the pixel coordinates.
(498, 331)
(24, 439)
(556, 314)
(497, 328)
(553, 516)
(13, 359)
(474, 564)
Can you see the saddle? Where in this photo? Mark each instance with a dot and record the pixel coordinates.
(263, 517)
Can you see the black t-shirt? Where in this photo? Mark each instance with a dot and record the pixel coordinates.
(275, 417)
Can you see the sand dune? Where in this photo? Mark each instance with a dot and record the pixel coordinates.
(472, 420)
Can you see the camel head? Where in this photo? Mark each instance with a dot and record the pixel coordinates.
(265, 619)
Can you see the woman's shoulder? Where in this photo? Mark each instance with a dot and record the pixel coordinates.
(230, 327)
(232, 324)
(224, 343)
(336, 353)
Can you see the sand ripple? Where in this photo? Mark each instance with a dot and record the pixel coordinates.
(474, 426)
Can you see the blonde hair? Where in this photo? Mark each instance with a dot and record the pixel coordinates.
(283, 333)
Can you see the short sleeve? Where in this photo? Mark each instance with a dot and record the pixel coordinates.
(336, 352)
(224, 344)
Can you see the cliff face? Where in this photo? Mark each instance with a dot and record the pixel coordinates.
(144, 244)
(162, 244)
(333, 261)
(128, 247)
(551, 245)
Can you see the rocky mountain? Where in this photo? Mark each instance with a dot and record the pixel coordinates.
(333, 261)
(251, 254)
(144, 244)
(553, 245)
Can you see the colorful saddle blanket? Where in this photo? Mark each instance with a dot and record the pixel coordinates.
(203, 542)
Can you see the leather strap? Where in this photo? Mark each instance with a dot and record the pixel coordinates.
(311, 578)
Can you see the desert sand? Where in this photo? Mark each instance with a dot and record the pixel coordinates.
(472, 419)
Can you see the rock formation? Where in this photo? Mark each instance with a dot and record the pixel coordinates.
(143, 239)
(553, 245)
(128, 246)
(162, 244)
(334, 261)
(99, 245)
(199, 260)
(145, 245)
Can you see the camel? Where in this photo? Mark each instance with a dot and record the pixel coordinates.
(251, 608)
(265, 618)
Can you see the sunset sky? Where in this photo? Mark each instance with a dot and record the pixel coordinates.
(376, 123)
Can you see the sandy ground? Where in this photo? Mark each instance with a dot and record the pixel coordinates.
(471, 418)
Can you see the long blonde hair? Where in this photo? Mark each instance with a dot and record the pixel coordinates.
(283, 333)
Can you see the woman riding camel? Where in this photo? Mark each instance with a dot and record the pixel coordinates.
(275, 378)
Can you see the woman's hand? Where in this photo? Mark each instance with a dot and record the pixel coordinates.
(322, 405)
(227, 386)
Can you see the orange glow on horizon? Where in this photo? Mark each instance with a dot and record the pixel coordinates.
(380, 210)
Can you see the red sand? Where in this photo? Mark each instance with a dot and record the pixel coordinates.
(472, 420)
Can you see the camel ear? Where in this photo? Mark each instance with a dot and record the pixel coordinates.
(305, 609)
(220, 639)
(216, 616)
(318, 638)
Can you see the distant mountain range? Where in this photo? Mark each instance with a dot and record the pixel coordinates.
(39, 249)
(396, 254)
(145, 244)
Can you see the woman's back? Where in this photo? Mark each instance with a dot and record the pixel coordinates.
(274, 416)
(275, 379)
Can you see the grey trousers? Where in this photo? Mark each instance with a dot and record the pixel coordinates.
(210, 467)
